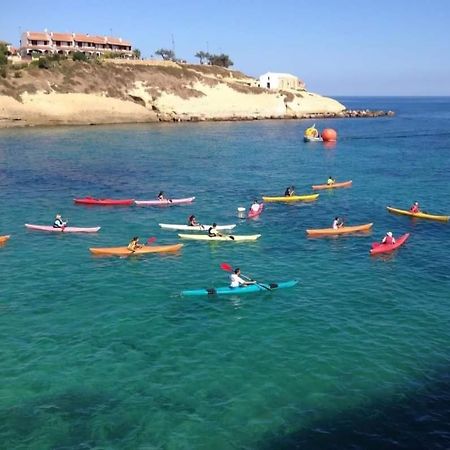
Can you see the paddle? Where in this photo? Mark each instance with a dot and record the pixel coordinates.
(228, 268)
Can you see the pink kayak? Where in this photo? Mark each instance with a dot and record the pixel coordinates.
(103, 201)
(256, 213)
(165, 202)
(62, 230)
(378, 248)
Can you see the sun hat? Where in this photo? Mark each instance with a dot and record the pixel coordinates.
(389, 233)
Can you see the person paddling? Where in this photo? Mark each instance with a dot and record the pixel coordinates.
(388, 239)
(192, 221)
(290, 191)
(134, 244)
(337, 223)
(237, 281)
(162, 197)
(212, 230)
(255, 206)
(331, 180)
(59, 223)
(415, 208)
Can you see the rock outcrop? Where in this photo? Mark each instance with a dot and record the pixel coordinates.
(71, 92)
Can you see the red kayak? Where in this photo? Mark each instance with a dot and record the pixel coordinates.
(103, 201)
(378, 248)
(256, 213)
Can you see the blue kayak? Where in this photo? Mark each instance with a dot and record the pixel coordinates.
(260, 287)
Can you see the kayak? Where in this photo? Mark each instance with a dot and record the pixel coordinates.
(103, 201)
(292, 198)
(342, 184)
(256, 213)
(165, 202)
(342, 230)
(312, 139)
(169, 226)
(4, 238)
(225, 237)
(226, 290)
(65, 229)
(378, 248)
(419, 215)
(123, 251)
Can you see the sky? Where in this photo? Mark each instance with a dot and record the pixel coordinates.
(338, 47)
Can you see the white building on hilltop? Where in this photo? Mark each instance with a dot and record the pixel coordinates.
(279, 81)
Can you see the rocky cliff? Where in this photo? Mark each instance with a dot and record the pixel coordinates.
(75, 92)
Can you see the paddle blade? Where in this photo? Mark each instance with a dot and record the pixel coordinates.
(227, 267)
(151, 240)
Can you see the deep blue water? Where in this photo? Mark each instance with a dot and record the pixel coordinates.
(105, 353)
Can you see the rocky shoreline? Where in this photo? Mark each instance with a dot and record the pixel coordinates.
(13, 122)
(349, 114)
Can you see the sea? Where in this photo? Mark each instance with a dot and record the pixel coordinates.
(104, 353)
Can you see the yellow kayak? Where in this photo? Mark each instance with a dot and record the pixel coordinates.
(123, 251)
(419, 215)
(342, 230)
(292, 198)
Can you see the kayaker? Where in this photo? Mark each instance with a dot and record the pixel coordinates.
(192, 221)
(331, 180)
(59, 223)
(134, 244)
(415, 208)
(162, 197)
(255, 206)
(237, 281)
(212, 231)
(337, 223)
(388, 239)
(290, 191)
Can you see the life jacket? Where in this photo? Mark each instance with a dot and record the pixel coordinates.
(389, 240)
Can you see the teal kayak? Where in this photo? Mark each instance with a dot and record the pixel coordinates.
(227, 290)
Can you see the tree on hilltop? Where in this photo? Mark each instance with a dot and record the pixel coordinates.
(202, 56)
(166, 54)
(221, 60)
(137, 53)
(3, 53)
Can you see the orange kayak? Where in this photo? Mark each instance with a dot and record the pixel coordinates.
(3, 239)
(342, 184)
(123, 251)
(342, 230)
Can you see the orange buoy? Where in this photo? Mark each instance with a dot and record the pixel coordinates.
(329, 135)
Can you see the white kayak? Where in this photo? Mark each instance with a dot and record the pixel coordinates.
(62, 230)
(224, 237)
(171, 226)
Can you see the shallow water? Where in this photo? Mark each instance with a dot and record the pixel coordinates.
(105, 353)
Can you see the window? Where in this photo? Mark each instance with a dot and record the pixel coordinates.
(33, 42)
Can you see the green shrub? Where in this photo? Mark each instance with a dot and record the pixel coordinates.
(79, 56)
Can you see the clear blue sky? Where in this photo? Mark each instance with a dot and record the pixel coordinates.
(339, 47)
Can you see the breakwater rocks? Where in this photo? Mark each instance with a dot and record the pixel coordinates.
(351, 113)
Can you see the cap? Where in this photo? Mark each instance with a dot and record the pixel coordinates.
(389, 234)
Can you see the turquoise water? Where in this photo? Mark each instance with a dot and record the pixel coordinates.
(105, 353)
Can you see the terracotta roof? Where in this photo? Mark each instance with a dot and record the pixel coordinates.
(117, 41)
(62, 37)
(36, 36)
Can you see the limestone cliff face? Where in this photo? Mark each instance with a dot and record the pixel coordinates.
(120, 92)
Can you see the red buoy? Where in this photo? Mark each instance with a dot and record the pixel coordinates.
(329, 135)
